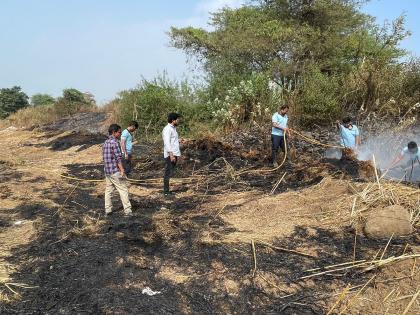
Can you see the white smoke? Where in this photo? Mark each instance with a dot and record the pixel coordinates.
(385, 147)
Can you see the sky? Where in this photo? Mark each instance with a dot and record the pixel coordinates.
(106, 46)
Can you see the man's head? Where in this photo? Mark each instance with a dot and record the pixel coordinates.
(133, 126)
(346, 122)
(115, 131)
(283, 109)
(412, 147)
(173, 118)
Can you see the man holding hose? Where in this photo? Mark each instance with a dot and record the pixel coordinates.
(412, 153)
(278, 131)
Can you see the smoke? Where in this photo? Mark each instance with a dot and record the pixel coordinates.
(388, 145)
(385, 146)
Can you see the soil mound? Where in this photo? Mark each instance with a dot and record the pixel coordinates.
(388, 221)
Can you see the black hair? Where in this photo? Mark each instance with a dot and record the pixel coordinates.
(133, 123)
(282, 107)
(172, 117)
(346, 120)
(412, 145)
(113, 128)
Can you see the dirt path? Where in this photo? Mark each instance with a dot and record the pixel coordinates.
(60, 256)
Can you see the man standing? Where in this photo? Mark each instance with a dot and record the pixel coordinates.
(114, 171)
(279, 128)
(171, 151)
(127, 145)
(349, 133)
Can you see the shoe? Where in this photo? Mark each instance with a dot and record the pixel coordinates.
(169, 194)
(107, 214)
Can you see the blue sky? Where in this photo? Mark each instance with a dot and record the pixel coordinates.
(105, 46)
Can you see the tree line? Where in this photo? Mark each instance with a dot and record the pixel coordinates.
(71, 101)
(325, 58)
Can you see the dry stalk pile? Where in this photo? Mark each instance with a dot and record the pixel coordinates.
(384, 193)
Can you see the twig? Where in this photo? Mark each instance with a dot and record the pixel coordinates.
(350, 302)
(366, 265)
(376, 175)
(337, 265)
(411, 302)
(254, 254)
(65, 200)
(354, 246)
(388, 295)
(7, 286)
(285, 249)
(340, 298)
(277, 184)
(387, 244)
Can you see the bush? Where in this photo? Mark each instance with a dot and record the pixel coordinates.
(251, 101)
(73, 101)
(151, 101)
(42, 99)
(11, 100)
(318, 98)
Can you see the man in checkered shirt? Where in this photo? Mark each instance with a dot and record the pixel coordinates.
(114, 171)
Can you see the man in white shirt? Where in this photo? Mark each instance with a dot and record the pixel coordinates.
(412, 153)
(171, 151)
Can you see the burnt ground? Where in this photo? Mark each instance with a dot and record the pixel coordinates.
(77, 262)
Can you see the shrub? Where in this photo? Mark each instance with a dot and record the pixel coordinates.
(251, 101)
(42, 99)
(12, 100)
(318, 98)
(151, 101)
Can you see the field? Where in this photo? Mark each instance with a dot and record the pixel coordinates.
(238, 238)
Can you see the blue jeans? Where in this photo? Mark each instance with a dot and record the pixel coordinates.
(276, 143)
(127, 164)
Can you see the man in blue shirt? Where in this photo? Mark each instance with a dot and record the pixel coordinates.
(127, 145)
(278, 128)
(349, 133)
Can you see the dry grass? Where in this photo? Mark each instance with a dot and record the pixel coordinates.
(384, 193)
(37, 116)
(32, 116)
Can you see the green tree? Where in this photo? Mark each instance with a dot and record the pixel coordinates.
(286, 40)
(73, 101)
(11, 100)
(73, 96)
(42, 99)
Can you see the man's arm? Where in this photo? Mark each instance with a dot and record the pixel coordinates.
(277, 125)
(396, 161)
(123, 147)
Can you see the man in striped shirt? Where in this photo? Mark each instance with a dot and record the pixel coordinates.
(115, 177)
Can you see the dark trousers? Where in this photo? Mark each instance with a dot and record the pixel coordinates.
(276, 143)
(169, 172)
(127, 164)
